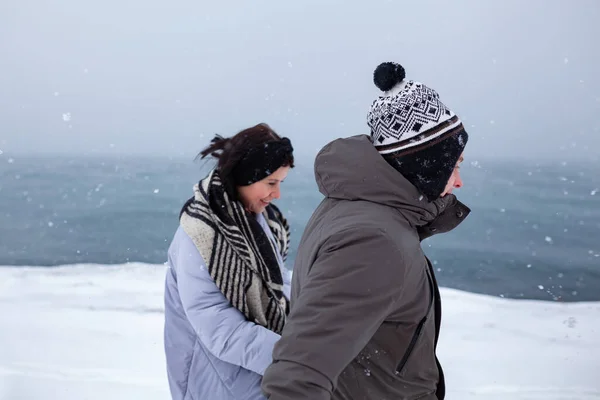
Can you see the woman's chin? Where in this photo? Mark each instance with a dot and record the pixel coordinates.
(258, 208)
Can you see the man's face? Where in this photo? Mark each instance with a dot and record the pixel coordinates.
(455, 180)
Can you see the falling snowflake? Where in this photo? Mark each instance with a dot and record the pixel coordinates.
(156, 190)
(571, 322)
(540, 287)
(566, 61)
(66, 117)
(593, 192)
(548, 239)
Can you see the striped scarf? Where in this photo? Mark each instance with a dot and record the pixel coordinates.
(239, 255)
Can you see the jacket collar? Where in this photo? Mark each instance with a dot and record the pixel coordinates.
(452, 215)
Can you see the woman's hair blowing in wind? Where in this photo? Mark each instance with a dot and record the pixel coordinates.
(239, 152)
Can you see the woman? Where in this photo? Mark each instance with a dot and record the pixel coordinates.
(226, 294)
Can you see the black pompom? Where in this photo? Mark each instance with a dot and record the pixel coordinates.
(387, 75)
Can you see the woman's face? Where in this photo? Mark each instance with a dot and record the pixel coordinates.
(256, 197)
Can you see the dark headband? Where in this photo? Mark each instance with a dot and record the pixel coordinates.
(261, 161)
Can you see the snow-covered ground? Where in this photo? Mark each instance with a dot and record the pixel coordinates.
(95, 332)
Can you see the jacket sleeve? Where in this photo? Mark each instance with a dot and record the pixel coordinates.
(222, 328)
(354, 282)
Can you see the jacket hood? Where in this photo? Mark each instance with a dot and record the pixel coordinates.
(352, 169)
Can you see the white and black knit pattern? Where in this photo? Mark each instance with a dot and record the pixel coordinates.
(240, 257)
(409, 115)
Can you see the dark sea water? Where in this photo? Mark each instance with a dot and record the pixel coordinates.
(534, 231)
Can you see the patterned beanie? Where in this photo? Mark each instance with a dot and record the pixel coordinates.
(414, 131)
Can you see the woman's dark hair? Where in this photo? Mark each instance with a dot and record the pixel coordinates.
(230, 151)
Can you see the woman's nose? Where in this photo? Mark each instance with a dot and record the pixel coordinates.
(276, 193)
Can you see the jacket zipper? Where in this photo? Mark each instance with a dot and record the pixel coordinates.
(417, 334)
(411, 345)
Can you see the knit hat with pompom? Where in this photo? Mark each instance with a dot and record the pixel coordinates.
(414, 131)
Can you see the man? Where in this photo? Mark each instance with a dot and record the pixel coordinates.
(365, 307)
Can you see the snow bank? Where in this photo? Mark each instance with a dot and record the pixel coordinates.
(95, 332)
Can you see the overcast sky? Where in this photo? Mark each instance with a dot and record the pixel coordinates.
(158, 77)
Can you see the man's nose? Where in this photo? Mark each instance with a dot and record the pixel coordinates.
(458, 182)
